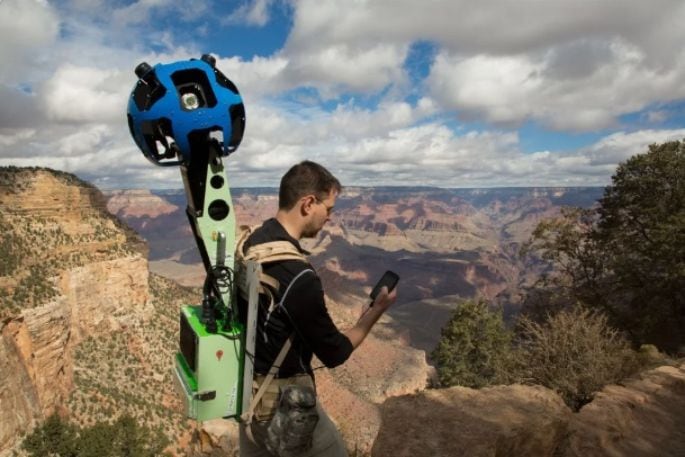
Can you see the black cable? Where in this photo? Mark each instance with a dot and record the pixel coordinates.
(219, 280)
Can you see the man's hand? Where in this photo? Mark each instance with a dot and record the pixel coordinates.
(370, 315)
(383, 300)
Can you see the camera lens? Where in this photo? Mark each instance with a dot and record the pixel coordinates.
(190, 101)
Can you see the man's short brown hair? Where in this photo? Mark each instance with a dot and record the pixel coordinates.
(306, 178)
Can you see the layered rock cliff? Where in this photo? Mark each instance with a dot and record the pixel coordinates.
(70, 271)
(644, 417)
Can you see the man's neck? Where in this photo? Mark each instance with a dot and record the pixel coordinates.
(290, 226)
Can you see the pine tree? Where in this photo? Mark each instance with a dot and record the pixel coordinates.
(475, 347)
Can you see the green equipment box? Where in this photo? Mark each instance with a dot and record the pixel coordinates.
(209, 368)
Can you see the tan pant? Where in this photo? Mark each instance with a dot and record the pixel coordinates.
(327, 439)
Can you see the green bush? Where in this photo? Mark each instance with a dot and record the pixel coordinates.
(475, 348)
(124, 437)
(575, 353)
(54, 437)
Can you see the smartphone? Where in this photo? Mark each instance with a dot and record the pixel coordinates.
(389, 280)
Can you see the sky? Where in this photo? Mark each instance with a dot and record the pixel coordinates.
(448, 93)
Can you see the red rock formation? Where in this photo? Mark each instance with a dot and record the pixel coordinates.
(497, 421)
(644, 417)
(138, 203)
(97, 273)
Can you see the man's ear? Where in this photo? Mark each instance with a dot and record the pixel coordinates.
(306, 204)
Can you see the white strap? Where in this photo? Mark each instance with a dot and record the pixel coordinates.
(249, 414)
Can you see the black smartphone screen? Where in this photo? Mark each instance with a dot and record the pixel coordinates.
(389, 279)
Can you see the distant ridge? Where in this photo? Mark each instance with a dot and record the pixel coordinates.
(583, 196)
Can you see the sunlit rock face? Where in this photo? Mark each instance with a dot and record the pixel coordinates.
(502, 420)
(72, 271)
(645, 416)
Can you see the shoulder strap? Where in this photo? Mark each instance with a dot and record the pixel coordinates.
(249, 414)
(272, 251)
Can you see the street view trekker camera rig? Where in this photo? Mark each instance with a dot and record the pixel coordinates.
(188, 114)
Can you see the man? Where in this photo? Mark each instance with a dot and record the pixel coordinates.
(307, 197)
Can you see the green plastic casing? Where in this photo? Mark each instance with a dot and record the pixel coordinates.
(214, 389)
(208, 369)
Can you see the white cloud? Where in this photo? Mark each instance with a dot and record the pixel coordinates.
(11, 137)
(501, 62)
(656, 116)
(87, 5)
(429, 154)
(512, 89)
(620, 146)
(363, 147)
(255, 12)
(137, 12)
(568, 67)
(495, 27)
(19, 109)
(257, 77)
(352, 122)
(498, 88)
(85, 141)
(27, 27)
(341, 67)
(86, 94)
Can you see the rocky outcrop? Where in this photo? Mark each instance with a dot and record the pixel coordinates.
(378, 370)
(643, 417)
(41, 336)
(216, 438)
(94, 299)
(100, 295)
(496, 421)
(19, 403)
(95, 275)
(138, 203)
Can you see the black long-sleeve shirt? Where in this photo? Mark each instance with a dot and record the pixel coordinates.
(302, 313)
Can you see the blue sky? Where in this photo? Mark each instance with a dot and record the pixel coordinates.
(451, 93)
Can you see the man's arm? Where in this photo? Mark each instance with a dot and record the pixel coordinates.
(370, 316)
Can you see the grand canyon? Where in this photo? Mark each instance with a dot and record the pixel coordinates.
(446, 244)
(113, 269)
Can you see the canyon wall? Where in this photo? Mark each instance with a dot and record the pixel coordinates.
(72, 272)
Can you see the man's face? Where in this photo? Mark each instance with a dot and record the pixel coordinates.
(321, 211)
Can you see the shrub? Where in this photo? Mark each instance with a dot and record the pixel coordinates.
(575, 353)
(475, 348)
(123, 437)
(54, 437)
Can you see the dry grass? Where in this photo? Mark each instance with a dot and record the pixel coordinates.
(575, 353)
